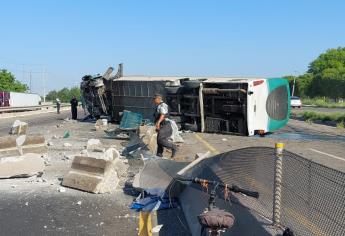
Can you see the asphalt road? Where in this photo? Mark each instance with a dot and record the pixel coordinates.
(31, 208)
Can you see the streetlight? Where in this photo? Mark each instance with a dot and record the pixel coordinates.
(294, 83)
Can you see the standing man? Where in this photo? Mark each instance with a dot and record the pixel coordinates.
(74, 105)
(58, 105)
(163, 126)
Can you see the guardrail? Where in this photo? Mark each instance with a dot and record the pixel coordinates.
(29, 108)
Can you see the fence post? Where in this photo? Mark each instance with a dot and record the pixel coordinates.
(278, 172)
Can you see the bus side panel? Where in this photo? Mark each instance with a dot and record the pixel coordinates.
(278, 103)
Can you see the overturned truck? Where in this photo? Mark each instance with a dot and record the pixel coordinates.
(244, 106)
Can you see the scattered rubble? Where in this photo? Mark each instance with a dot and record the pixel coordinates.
(27, 165)
(19, 127)
(62, 189)
(12, 145)
(101, 124)
(91, 175)
(97, 172)
(66, 134)
(156, 229)
(94, 144)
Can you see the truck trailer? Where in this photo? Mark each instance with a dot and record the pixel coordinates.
(15, 99)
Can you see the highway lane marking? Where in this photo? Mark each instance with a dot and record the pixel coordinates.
(207, 144)
(327, 154)
(145, 224)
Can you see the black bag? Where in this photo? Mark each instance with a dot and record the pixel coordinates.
(216, 219)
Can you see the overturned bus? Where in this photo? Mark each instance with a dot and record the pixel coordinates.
(244, 106)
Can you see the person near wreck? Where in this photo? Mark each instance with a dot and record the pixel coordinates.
(74, 107)
(58, 105)
(163, 126)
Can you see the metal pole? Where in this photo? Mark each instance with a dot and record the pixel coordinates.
(293, 87)
(201, 104)
(44, 84)
(30, 83)
(278, 173)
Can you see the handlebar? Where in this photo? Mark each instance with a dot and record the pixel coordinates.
(233, 188)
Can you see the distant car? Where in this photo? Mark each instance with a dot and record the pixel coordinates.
(296, 102)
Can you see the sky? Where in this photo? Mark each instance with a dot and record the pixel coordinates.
(68, 39)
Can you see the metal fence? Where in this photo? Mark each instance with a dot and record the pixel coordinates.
(312, 195)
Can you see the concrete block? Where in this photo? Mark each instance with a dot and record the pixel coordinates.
(101, 124)
(12, 145)
(91, 175)
(149, 137)
(19, 127)
(21, 166)
(94, 144)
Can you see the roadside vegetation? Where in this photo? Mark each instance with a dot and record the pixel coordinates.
(65, 94)
(9, 83)
(312, 116)
(323, 102)
(324, 78)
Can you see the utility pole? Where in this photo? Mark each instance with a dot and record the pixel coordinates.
(30, 81)
(293, 86)
(294, 83)
(44, 84)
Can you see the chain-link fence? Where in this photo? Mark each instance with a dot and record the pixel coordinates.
(313, 197)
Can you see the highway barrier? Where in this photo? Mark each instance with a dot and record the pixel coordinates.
(29, 108)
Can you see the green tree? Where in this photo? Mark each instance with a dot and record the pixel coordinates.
(331, 59)
(328, 71)
(52, 95)
(75, 92)
(65, 94)
(9, 83)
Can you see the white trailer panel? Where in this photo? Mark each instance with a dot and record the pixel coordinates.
(24, 99)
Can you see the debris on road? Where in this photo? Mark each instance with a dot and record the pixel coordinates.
(67, 145)
(62, 189)
(66, 134)
(94, 144)
(97, 174)
(101, 124)
(156, 229)
(29, 164)
(12, 145)
(19, 127)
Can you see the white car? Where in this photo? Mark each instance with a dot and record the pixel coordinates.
(296, 102)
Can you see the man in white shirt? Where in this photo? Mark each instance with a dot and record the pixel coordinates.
(163, 126)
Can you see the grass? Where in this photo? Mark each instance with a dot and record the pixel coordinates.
(310, 116)
(323, 102)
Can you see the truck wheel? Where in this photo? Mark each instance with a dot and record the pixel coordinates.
(193, 84)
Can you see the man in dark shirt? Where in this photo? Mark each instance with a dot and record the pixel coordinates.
(163, 126)
(74, 105)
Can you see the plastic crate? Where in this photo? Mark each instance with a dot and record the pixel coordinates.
(131, 120)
